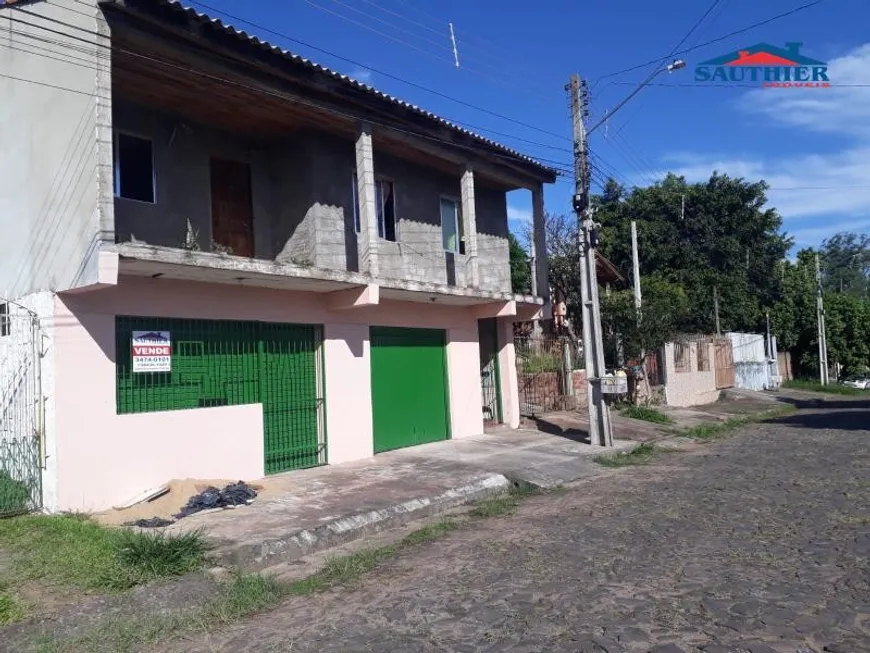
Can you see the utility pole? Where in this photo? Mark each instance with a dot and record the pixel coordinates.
(716, 309)
(823, 338)
(593, 348)
(635, 268)
(683, 206)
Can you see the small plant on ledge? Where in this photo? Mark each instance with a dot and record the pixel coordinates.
(217, 248)
(191, 239)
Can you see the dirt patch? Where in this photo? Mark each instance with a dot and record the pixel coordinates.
(166, 506)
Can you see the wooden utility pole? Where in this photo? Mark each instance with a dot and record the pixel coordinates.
(599, 418)
(820, 321)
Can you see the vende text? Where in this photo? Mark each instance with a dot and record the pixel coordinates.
(151, 350)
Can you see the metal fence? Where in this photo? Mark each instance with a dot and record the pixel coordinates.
(22, 410)
(545, 366)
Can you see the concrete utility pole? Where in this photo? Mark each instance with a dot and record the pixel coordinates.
(600, 430)
(716, 309)
(593, 347)
(823, 338)
(635, 268)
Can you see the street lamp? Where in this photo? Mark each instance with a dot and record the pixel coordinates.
(676, 64)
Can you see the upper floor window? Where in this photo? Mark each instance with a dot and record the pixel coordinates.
(134, 168)
(385, 207)
(385, 200)
(5, 320)
(451, 226)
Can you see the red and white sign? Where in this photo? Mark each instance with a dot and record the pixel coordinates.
(152, 351)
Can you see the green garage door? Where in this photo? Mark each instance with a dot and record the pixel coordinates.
(409, 387)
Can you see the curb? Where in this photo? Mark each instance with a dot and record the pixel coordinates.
(256, 555)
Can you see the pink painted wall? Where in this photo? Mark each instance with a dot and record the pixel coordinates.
(347, 358)
(105, 458)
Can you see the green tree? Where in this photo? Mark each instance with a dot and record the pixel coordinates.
(794, 320)
(521, 271)
(846, 257)
(716, 234)
(664, 308)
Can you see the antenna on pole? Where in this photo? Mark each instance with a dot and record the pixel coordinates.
(453, 41)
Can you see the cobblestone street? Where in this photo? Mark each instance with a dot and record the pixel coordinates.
(759, 543)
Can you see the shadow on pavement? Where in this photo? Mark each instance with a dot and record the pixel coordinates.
(839, 415)
(553, 428)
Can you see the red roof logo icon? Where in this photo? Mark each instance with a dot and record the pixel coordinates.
(760, 59)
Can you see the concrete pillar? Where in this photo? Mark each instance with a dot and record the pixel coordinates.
(347, 359)
(469, 222)
(539, 236)
(507, 368)
(367, 240)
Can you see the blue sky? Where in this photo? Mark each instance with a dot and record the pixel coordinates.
(812, 145)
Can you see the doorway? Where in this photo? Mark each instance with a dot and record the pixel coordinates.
(232, 209)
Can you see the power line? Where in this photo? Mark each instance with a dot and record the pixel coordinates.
(734, 85)
(383, 73)
(677, 47)
(710, 42)
(391, 25)
(522, 88)
(217, 78)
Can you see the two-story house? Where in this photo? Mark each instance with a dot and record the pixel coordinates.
(242, 262)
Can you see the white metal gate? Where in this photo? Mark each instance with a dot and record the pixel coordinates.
(22, 410)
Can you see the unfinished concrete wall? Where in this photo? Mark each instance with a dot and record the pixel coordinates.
(492, 238)
(325, 236)
(53, 122)
(303, 199)
(181, 152)
(418, 253)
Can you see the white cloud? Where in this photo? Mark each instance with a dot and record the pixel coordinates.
(363, 75)
(518, 216)
(817, 194)
(842, 109)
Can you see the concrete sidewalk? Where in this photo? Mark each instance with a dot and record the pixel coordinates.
(311, 510)
(302, 512)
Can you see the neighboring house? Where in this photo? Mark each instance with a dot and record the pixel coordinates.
(689, 372)
(754, 369)
(242, 262)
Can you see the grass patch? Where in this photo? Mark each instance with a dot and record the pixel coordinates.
(714, 430)
(431, 532)
(69, 550)
(11, 610)
(240, 596)
(832, 389)
(505, 503)
(646, 414)
(245, 594)
(639, 455)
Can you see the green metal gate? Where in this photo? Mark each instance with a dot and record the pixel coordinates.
(409, 387)
(229, 363)
(490, 380)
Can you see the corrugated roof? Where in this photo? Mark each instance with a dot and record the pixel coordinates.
(217, 23)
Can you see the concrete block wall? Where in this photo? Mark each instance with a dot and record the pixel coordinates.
(691, 387)
(303, 202)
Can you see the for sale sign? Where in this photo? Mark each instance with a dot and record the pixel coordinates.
(152, 351)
